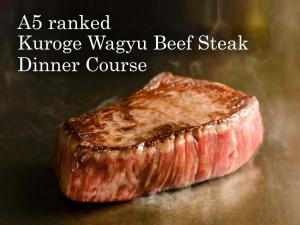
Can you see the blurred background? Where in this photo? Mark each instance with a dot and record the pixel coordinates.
(32, 105)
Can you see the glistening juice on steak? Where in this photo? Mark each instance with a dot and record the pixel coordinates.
(173, 133)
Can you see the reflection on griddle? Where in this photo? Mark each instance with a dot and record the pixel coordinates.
(196, 204)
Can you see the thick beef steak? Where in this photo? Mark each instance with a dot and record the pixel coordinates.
(174, 132)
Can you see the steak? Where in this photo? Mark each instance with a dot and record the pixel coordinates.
(173, 133)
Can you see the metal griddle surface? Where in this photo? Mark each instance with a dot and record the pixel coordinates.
(265, 191)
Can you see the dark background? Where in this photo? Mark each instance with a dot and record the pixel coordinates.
(32, 105)
(141, 20)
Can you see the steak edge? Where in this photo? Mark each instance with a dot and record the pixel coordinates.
(173, 133)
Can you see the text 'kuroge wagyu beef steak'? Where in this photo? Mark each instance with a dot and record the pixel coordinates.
(174, 132)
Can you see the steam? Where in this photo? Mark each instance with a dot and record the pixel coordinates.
(220, 25)
(272, 74)
(109, 101)
(268, 71)
(223, 192)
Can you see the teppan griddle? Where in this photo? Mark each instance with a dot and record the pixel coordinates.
(265, 191)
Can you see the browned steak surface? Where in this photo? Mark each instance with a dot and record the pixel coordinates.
(174, 132)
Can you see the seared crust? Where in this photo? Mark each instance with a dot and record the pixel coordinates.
(123, 126)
